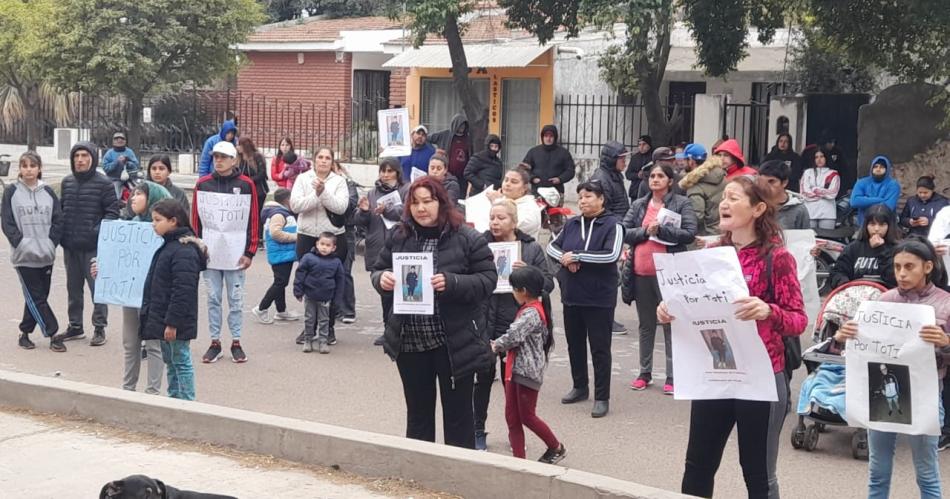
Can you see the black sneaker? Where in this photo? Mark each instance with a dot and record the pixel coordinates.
(553, 456)
(98, 337)
(213, 353)
(237, 353)
(56, 344)
(348, 319)
(73, 333)
(25, 342)
(331, 337)
(943, 443)
(144, 352)
(300, 338)
(379, 341)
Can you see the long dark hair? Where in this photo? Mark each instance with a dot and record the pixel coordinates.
(172, 208)
(531, 280)
(922, 248)
(881, 214)
(392, 164)
(768, 233)
(289, 141)
(249, 149)
(158, 158)
(448, 214)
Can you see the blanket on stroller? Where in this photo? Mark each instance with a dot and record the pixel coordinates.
(824, 387)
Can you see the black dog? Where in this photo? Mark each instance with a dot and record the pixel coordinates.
(143, 487)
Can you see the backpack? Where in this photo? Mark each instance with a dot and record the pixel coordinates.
(793, 344)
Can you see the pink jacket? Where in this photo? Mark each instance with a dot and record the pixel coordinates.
(788, 308)
(940, 301)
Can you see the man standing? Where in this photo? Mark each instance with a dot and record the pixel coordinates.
(456, 141)
(88, 198)
(877, 188)
(703, 184)
(791, 212)
(228, 133)
(551, 164)
(637, 161)
(422, 151)
(485, 168)
(118, 159)
(613, 161)
(225, 215)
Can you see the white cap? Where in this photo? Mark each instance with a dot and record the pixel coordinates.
(226, 148)
(421, 128)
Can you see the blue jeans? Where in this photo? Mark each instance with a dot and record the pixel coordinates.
(881, 445)
(181, 373)
(233, 281)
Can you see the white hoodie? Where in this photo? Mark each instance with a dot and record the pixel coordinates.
(311, 209)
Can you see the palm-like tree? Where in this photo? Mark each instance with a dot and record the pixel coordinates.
(35, 104)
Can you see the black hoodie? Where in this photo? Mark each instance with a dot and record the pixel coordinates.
(87, 199)
(859, 260)
(790, 158)
(443, 140)
(548, 162)
(485, 167)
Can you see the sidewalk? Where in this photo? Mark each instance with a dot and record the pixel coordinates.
(44, 456)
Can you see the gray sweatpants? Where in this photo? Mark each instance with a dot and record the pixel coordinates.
(132, 346)
(647, 297)
(316, 320)
(78, 273)
(777, 414)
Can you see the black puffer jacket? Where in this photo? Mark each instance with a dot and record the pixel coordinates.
(466, 261)
(548, 162)
(171, 289)
(615, 195)
(502, 307)
(376, 231)
(87, 199)
(485, 168)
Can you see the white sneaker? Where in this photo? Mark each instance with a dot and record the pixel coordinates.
(348, 319)
(287, 316)
(263, 316)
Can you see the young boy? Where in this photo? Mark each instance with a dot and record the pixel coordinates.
(280, 239)
(320, 279)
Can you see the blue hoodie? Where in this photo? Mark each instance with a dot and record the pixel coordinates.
(869, 192)
(418, 158)
(205, 165)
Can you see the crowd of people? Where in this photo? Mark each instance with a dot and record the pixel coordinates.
(307, 227)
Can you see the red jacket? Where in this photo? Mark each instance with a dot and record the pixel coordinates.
(277, 166)
(788, 308)
(735, 171)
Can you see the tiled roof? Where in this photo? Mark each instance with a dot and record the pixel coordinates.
(318, 30)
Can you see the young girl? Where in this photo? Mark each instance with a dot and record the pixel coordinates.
(277, 165)
(32, 220)
(920, 277)
(170, 303)
(528, 341)
(819, 187)
(870, 254)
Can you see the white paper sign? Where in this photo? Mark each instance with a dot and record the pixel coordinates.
(800, 243)
(891, 374)
(394, 132)
(413, 293)
(224, 219)
(668, 218)
(416, 173)
(389, 200)
(478, 210)
(715, 356)
(505, 254)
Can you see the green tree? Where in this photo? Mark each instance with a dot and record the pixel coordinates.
(819, 67)
(442, 17)
(136, 48)
(637, 64)
(283, 10)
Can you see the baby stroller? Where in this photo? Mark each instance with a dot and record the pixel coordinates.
(822, 398)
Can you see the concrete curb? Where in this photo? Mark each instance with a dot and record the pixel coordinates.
(437, 467)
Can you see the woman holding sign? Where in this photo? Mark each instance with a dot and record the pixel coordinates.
(33, 222)
(663, 222)
(502, 307)
(748, 222)
(450, 345)
(920, 277)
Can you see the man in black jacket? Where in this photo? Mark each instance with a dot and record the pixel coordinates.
(613, 161)
(551, 164)
(485, 168)
(636, 163)
(88, 198)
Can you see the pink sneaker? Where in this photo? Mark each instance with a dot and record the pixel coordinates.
(642, 382)
(668, 387)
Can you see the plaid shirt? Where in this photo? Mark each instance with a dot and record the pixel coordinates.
(422, 333)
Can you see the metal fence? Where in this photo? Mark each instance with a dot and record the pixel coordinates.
(14, 131)
(586, 122)
(749, 125)
(181, 122)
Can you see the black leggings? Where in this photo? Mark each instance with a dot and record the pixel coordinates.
(275, 293)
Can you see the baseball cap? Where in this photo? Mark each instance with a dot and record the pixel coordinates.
(695, 151)
(118, 135)
(226, 148)
(421, 128)
(663, 154)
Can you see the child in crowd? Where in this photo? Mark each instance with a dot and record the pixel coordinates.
(170, 303)
(320, 279)
(280, 239)
(528, 341)
(293, 166)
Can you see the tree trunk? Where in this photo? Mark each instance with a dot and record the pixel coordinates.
(135, 122)
(29, 96)
(474, 109)
(661, 126)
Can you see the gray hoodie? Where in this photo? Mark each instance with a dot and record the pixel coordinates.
(794, 214)
(32, 220)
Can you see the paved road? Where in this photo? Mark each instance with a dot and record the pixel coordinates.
(643, 439)
(97, 455)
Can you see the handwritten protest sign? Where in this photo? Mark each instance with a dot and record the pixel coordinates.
(224, 219)
(413, 293)
(799, 243)
(124, 255)
(715, 356)
(890, 373)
